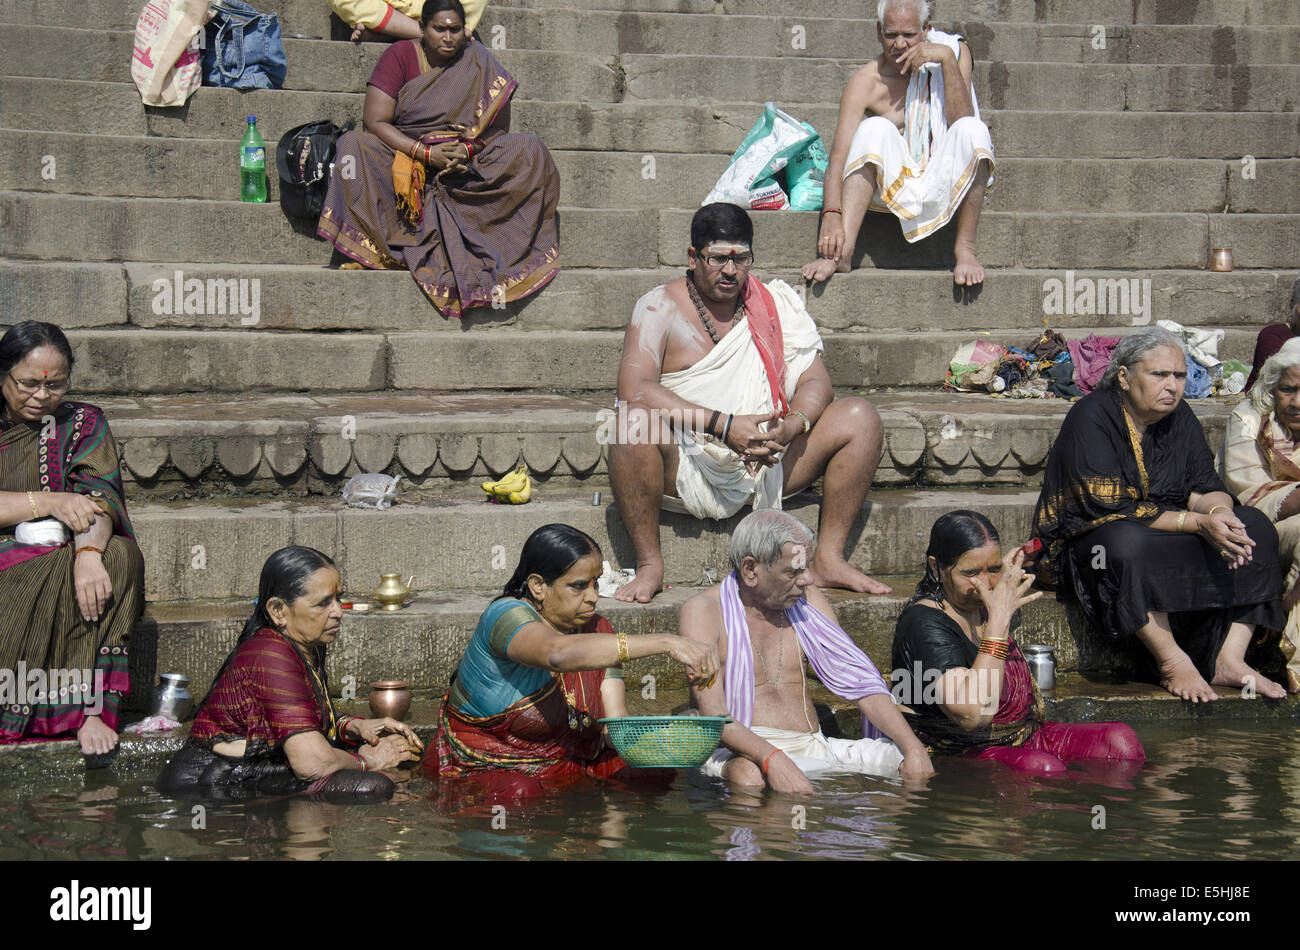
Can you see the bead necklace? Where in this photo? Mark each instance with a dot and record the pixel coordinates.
(694, 294)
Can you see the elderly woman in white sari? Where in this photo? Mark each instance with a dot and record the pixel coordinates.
(1260, 464)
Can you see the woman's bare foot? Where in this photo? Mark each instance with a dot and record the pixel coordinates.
(95, 737)
(649, 581)
(969, 271)
(1237, 673)
(840, 574)
(822, 268)
(1179, 676)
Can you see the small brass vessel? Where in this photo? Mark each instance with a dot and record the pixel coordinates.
(391, 592)
(1221, 259)
(390, 698)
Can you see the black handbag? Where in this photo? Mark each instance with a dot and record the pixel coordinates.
(303, 158)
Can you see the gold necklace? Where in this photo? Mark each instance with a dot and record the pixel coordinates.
(780, 659)
(571, 701)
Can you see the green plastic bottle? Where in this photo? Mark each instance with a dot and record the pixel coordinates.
(252, 163)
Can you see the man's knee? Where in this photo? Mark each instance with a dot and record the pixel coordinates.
(854, 416)
(743, 772)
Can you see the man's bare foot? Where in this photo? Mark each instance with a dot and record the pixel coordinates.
(822, 268)
(969, 271)
(1179, 676)
(649, 581)
(95, 737)
(1237, 673)
(842, 575)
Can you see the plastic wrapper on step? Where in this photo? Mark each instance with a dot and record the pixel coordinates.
(371, 491)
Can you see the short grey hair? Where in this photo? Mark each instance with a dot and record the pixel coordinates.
(1263, 395)
(762, 534)
(884, 6)
(1133, 349)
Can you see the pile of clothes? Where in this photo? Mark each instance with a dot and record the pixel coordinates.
(1069, 369)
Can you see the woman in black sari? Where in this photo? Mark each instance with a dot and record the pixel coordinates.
(1140, 530)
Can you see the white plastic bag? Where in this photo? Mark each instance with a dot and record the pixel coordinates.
(165, 55)
(371, 491)
(750, 179)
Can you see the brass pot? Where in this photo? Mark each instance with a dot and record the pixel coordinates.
(391, 592)
(390, 698)
(1221, 259)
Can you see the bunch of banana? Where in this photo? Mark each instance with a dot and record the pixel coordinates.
(515, 488)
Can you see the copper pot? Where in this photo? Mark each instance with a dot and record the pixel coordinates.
(390, 698)
(1221, 259)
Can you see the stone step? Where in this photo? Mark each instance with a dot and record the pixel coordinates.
(306, 297)
(125, 361)
(313, 18)
(74, 227)
(140, 166)
(423, 643)
(94, 55)
(440, 443)
(104, 108)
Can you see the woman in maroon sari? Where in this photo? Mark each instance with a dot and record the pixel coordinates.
(437, 183)
(960, 671)
(540, 671)
(268, 726)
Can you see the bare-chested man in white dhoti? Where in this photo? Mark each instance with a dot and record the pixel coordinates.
(725, 402)
(921, 152)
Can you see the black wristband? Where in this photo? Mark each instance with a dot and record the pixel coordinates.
(713, 421)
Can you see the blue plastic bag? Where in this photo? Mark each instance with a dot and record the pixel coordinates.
(1199, 382)
(244, 49)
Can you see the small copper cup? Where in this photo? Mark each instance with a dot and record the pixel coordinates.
(390, 698)
(1221, 259)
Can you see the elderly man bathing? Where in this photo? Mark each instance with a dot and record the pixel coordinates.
(921, 152)
(725, 402)
(764, 619)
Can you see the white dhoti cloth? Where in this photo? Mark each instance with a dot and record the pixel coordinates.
(814, 753)
(923, 176)
(712, 481)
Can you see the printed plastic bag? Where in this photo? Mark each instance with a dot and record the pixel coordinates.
(244, 49)
(165, 54)
(750, 179)
(805, 175)
(371, 491)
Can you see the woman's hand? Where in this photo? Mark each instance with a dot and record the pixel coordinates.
(75, 510)
(371, 731)
(699, 660)
(387, 752)
(92, 585)
(1011, 593)
(1227, 533)
(446, 155)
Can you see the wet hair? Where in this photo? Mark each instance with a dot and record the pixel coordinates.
(284, 575)
(951, 536)
(884, 6)
(721, 222)
(22, 338)
(762, 534)
(1263, 395)
(433, 7)
(1133, 349)
(549, 552)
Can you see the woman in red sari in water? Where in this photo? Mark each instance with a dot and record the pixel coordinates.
(961, 672)
(540, 670)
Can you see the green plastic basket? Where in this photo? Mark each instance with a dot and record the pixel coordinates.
(666, 742)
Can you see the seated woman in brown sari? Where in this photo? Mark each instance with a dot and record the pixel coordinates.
(437, 183)
(1141, 532)
(71, 576)
(268, 726)
(540, 670)
(957, 666)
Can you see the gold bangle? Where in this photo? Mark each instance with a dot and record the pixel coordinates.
(623, 655)
(1182, 516)
(36, 515)
(998, 649)
(1211, 512)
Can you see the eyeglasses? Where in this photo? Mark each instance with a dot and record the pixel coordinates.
(720, 260)
(30, 387)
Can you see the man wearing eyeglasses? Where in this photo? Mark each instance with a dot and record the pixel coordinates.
(724, 402)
